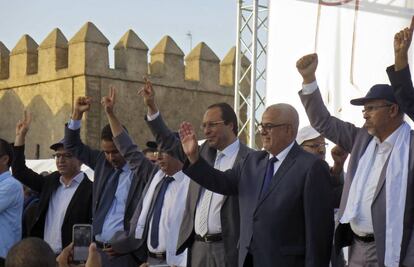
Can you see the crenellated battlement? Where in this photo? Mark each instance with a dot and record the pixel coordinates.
(47, 78)
(86, 53)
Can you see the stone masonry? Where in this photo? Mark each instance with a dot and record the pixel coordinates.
(45, 79)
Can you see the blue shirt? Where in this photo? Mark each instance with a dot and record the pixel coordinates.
(114, 220)
(11, 208)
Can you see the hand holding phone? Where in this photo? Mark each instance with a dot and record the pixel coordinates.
(82, 238)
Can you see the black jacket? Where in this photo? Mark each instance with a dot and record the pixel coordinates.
(79, 210)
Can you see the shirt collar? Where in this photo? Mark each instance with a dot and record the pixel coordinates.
(389, 142)
(230, 149)
(126, 168)
(283, 154)
(75, 180)
(178, 176)
(5, 175)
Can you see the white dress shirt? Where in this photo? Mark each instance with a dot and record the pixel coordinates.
(362, 224)
(217, 200)
(58, 204)
(171, 216)
(281, 157)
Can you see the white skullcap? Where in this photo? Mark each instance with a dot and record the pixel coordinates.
(306, 133)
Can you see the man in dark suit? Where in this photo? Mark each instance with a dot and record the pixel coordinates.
(65, 195)
(284, 193)
(399, 73)
(210, 231)
(154, 226)
(117, 185)
(376, 215)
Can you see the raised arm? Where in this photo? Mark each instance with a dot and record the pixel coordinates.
(336, 130)
(399, 74)
(73, 141)
(165, 138)
(135, 158)
(402, 42)
(20, 171)
(199, 170)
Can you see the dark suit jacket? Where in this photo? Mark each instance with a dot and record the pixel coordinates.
(229, 213)
(125, 242)
(403, 89)
(79, 209)
(95, 159)
(292, 223)
(355, 140)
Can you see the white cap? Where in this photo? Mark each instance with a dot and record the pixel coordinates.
(306, 133)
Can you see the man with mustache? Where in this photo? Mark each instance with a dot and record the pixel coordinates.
(376, 210)
(210, 228)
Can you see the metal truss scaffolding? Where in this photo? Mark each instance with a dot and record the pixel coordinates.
(250, 76)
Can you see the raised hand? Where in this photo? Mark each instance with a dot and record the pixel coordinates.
(402, 41)
(306, 66)
(108, 102)
(22, 127)
(339, 156)
(148, 94)
(189, 141)
(82, 104)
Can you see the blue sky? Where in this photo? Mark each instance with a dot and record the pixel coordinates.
(211, 21)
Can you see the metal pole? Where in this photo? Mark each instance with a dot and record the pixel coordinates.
(252, 133)
(238, 62)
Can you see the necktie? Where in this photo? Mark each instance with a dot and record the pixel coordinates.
(205, 202)
(269, 174)
(106, 199)
(157, 211)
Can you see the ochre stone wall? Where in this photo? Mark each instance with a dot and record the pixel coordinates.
(45, 79)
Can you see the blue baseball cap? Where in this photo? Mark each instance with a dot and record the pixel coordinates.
(377, 92)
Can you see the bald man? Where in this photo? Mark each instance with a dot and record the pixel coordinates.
(284, 193)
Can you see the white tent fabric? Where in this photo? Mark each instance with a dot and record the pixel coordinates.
(354, 42)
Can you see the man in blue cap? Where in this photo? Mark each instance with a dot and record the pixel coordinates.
(376, 210)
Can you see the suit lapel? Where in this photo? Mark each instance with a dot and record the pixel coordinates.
(194, 191)
(79, 193)
(352, 167)
(151, 209)
(101, 183)
(138, 209)
(280, 173)
(381, 180)
(134, 183)
(261, 169)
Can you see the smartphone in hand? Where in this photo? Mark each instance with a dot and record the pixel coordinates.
(82, 238)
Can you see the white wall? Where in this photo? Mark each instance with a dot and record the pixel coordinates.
(292, 34)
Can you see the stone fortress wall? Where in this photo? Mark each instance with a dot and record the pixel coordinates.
(45, 79)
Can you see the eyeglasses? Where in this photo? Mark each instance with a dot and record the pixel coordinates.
(63, 155)
(210, 124)
(369, 109)
(269, 126)
(317, 145)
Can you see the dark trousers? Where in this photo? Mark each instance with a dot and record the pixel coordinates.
(2, 262)
(248, 262)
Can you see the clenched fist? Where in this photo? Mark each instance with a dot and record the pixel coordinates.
(306, 66)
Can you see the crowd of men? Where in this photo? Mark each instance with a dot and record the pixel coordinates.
(222, 203)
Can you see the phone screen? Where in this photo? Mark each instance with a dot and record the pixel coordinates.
(82, 237)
